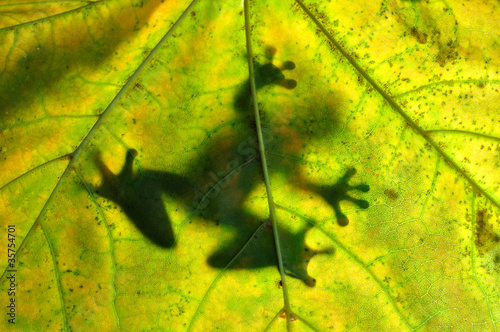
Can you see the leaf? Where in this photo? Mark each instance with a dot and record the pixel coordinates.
(140, 191)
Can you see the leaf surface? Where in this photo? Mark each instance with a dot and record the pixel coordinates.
(133, 175)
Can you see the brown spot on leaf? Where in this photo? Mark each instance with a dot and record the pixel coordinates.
(268, 224)
(447, 53)
(420, 36)
(391, 194)
(283, 314)
(486, 238)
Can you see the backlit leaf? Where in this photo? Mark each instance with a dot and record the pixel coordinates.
(133, 180)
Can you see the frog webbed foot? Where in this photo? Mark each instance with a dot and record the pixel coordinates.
(298, 270)
(267, 74)
(339, 191)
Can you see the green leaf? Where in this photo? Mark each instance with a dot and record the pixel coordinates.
(169, 165)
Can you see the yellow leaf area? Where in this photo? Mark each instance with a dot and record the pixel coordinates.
(146, 209)
(440, 62)
(14, 12)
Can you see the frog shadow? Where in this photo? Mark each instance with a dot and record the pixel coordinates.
(217, 187)
(85, 52)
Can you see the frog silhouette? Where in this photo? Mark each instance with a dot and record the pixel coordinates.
(139, 196)
(226, 173)
(234, 178)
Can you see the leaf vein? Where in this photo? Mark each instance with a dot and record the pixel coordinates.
(396, 107)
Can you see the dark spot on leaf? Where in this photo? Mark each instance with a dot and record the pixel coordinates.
(486, 238)
(419, 36)
(391, 194)
(447, 53)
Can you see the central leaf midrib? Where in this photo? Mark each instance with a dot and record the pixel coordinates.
(262, 152)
